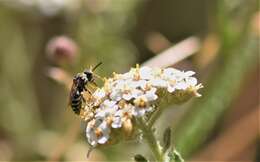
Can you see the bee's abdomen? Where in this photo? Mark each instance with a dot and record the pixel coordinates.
(76, 103)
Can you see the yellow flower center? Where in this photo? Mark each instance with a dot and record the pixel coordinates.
(98, 132)
(122, 104)
(141, 102)
(109, 120)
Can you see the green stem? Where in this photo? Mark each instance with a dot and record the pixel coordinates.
(149, 136)
(163, 104)
(154, 117)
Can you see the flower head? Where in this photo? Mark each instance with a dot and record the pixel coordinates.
(133, 95)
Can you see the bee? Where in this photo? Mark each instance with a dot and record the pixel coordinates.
(79, 85)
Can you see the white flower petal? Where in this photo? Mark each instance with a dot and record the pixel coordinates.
(171, 88)
(191, 81)
(170, 72)
(127, 96)
(151, 94)
(138, 112)
(117, 122)
(158, 82)
(103, 139)
(189, 73)
(145, 72)
(181, 85)
(136, 84)
(136, 93)
(116, 95)
(99, 93)
(109, 103)
(128, 75)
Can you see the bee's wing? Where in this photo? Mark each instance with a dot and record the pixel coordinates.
(99, 77)
(73, 90)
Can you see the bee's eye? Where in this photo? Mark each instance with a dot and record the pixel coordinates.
(89, 75)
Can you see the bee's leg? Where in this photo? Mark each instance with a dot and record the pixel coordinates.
(88, 90)
(84, 100)
(95, 84)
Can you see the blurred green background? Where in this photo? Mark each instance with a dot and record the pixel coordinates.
(71, 35)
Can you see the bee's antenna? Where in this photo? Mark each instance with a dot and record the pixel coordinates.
(95, 67)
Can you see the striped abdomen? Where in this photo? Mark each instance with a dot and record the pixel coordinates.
(76, 102)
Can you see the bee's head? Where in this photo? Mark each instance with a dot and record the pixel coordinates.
(81, 78)
(88, 75)
(89, 72)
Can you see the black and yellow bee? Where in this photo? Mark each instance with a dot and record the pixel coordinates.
(79, 85)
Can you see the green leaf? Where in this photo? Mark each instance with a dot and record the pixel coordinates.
(175, 156)
(140, 158)
(166, 139)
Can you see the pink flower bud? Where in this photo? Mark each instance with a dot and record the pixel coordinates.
(61, 49)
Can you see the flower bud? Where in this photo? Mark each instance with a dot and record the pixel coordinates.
(61, 49)
(128, 128)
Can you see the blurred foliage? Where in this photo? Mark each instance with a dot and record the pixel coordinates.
(34, 116)
(224, 84)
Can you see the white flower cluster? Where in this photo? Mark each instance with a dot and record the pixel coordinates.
(129, 95)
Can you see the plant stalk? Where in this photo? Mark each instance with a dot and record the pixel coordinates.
(149, 136)
(154, 118)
